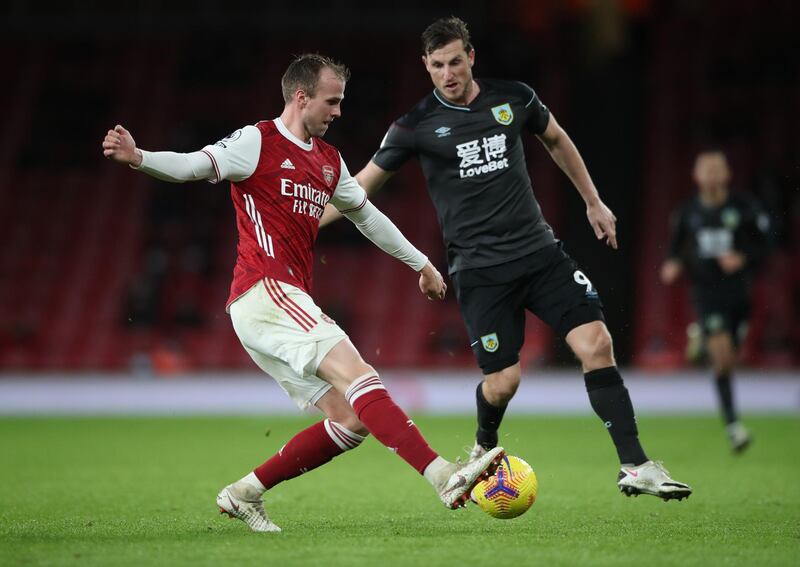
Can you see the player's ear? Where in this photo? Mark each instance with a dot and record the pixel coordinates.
(425, 61)
(471, 57)
(301, 98)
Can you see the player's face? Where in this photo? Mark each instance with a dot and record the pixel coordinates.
(711, 171)
(450, 68)
(325, 106)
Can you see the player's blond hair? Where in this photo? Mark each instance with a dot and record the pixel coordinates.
(303, 74)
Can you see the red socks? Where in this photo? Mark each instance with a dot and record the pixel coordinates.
(321, 442)
(387, 422)
(307, 450)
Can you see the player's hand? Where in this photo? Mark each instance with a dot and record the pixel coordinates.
(431, 282)
(731, 262)
(670, 271)
(603, 222)
(118, 145)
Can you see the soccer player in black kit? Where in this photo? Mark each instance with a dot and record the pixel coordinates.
(718, 239)
(503, 257)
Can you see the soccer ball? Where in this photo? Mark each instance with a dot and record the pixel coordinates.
(510, 492)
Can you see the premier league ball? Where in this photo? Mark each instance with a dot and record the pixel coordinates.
(510, 492)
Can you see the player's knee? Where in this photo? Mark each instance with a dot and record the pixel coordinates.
(502, 385)
(595, 348)
(355, 373)
(603, 345)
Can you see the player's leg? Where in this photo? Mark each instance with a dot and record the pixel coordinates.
(350, 375)
(287, 351)
(313, 446)
(721, 331)
(568, 302)
(492, 397)
(495, 322)
(591, 342)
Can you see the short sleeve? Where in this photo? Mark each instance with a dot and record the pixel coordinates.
(348, 196)
(396, 148)
(235, 158)
(537, 115)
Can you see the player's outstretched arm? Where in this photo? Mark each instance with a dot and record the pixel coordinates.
(385, 235)
(119, 146)
(371, 178)
(566, 155)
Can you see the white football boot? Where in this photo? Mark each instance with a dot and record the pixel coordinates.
(455, 492)
(476, 452)
(243, 502)
(651, 478)
(739, 437)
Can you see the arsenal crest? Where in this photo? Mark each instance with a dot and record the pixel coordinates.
(328, 173)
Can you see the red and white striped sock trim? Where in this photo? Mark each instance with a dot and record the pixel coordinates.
(291, 308)
(362, 385)
(342, 436)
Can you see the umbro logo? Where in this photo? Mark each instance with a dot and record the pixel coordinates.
(287, 164)
(442, 132)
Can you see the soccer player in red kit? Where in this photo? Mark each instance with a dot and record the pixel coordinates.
(282, 175)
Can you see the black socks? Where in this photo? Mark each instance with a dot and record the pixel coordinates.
(611, 402)
(489, 418)
(725, 393)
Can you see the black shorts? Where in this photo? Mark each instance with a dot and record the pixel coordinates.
(493, 301)
(723, 313)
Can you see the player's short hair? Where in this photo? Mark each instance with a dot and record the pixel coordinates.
(711, 150)
(303, 74)
(443, 31)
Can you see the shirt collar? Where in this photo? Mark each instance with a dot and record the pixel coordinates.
(291, 137)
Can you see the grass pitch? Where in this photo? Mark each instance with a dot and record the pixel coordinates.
(140, 491)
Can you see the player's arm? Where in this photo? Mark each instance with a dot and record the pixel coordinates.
(566, 155)
(371, 178)
(350, 199)
(234, 158)
(672, 267)
(385, 235)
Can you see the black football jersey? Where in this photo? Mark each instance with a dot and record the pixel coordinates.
(473, 160)
(701, 234)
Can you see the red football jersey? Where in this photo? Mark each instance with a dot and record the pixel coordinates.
(278, 206)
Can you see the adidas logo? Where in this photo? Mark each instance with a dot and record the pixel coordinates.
(287, 164)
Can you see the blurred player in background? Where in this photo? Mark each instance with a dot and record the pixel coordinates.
(503, 257)
(282, 176)
(719, 239)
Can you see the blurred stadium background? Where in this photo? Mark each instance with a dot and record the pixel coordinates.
(105, 274)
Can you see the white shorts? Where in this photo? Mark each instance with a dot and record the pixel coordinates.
(287, 335)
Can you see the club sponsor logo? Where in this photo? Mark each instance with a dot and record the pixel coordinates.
(503, 114)
(482, 155)
(308, 200)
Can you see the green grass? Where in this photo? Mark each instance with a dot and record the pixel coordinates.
(140, 491)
